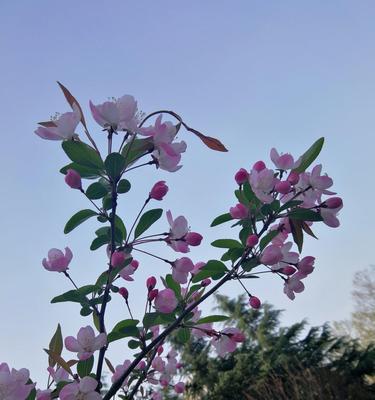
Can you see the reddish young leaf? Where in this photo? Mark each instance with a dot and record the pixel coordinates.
(72, 100)
(59, 360)
(109, 365)
(308, 230)
(210, 142)
(296, 227)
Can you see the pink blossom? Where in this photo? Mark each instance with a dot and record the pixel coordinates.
(329, 216)
(73, 179)
(179, 387)
(13, 384)
(127, 271)
(254, 302)
(288, 270)
(152, 294)
(197, 267)
(83, 390)
(239, 211)
(271, 255)
(158, 191)
(320, 182)
(158, 364)
(60, 375)
(118, 258)
(288, 257)
(262, 184)
(181, 268)
(119, 370)
(61, 129)
(156, 396)
(193, 238)
(283, 187)
(283, 161)
(241, 176)
(166, 301)
(306, 265)
(293, 177)
(293, 285)
(166, 153)
(252, 240)
(119, 114)
(57, 260)
(227, 342)
(86, 343)
(178, 230)
(43, 394)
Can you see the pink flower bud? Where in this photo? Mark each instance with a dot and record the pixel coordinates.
(259, 166)
(254, 302)
(239, 211)
(152, 294)
(164, 383)
(151, 283)
(289, 270)
(179, 365)
(193, 238)
(124, 293)
(252, 241)
(179, 387)
(241, 176)
(333, 202)
(134, 264)
(159, 190)
(160, 350)
(293, 177)
(283, 187)
(206, 282)
(73, 179)
(118, 258)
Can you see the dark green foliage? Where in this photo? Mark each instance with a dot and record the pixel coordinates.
(278, 362)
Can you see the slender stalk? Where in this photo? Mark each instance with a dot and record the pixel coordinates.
(136, 219)
(107, 287)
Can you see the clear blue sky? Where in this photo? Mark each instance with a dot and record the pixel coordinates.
(255, 74)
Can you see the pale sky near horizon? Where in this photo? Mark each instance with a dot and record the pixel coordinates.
(255, 74)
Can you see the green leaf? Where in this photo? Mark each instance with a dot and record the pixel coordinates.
(83, 154)
(32, 394)
(221, 219)
(268, 238)
(212, 318)
(107, 202)
(250, 264)
(151, 319)
(96, 191)
(297, 232)
(183, 335)
(85, 172)
(123, 186)
(232, 255)
(241, 197)
(310, 155)
(76, 296)
(134, 344)
(120, 226)
(147, 219)
(96, 321)
(213, 269)
(114, 165)
(305, 215)
(227, 244)
(137, 148)
(125, 328)
(85, 367)
(249, 194)
(85, 311)
(78, 218)
(55, 345)
(99, 242)
(172, 284)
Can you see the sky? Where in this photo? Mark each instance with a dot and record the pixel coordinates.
(254, 74)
